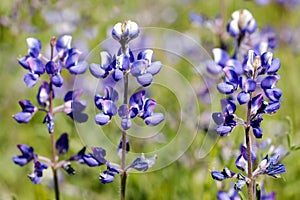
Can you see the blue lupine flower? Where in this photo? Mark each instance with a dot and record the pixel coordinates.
(54, 69)
(43, 95)
(143, 69)
(27, 155)
(69, 57)
(226, 120)
(242, 160)
(28, 110)
(143, 164)
(108, 175)
(72, 64)
(222, 60)
(74, 107)
(247, 86)
(221, 175)
(32, 62)
(107, 104)
(96, 158)
(242, 22)
(79, 156)
(62, 144)
(126, 31)
(144, 108)
(270, 166)
(49, 120)
(107, 64)
(36, 176)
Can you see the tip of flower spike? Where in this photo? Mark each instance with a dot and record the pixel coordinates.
(126, 31)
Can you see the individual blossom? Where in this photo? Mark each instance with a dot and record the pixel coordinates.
(107, 104)
(37, 175)
(242, 160)
(74, 107)
(28, 110)
(43, 95)
(27, 155)
(66, 57)
(242, 23)
(270, 166)
(32, 62)
(143, 69)
(144, 108)
(126, 31)
(225, 120)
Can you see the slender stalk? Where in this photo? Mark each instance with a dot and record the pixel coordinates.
(124, 48)
(251, 183)
(52, 135)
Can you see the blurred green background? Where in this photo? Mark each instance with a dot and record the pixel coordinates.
(89, 22)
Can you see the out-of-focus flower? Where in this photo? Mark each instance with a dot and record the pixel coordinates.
(242, 22)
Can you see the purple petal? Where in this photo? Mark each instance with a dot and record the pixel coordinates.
(99, 153)
(44, 94)
(57, 80)
(34, 47)
(31, 79)
(220, 56)
(223, 130)
(145, 55)
(137, 98)
(154, 119)
(62, 144)
(91, 161)
(63, 43)
(145, 79)
(213, 68)
(269, 82)
(273, 94)
(258, 132)
(23, 117)
(155, 67)
(250, 85)
(102, 119)
(274, 66)
(218, 118)
(97, 71)
(225, 88)
(243, 97)
(23, 62)
(109, 108)
(51, 67)
(72, 59)
(79, 68)
(123, 111)
(117, 74)
(36, 66)
(272, 107)
(138, 67)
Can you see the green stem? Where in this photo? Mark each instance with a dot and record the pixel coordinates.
(124, 134)
(52, 135)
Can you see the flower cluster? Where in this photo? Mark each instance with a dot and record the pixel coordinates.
(62, 56)
(119, 67)
(42, 163)
(246, 79)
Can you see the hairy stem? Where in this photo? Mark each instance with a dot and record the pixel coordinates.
(52, 135)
